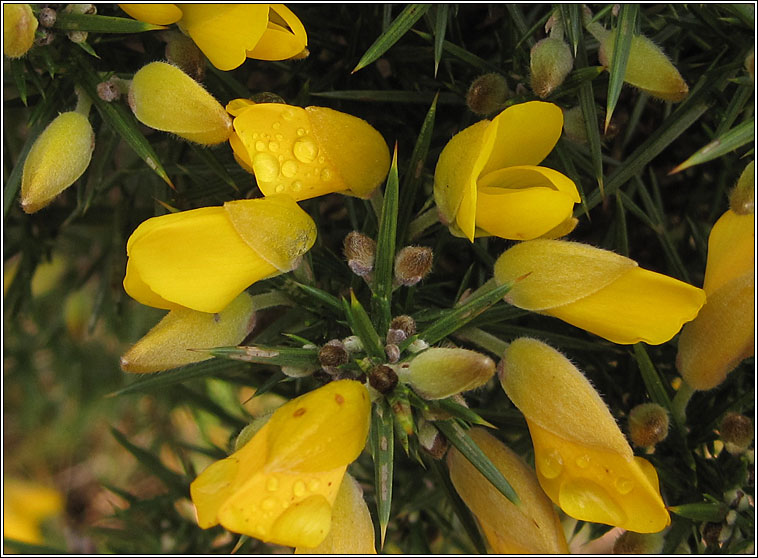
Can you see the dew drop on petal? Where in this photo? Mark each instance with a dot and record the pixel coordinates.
(260, 146)
(305, 150)
(583, 461)
(276, 125)
(326, 175)
(272, 484)
(266, 167)
(279, 188)
(279, 137)
(273, 146)
(587, 500)
(551, 464)
(300, 132)
(298, 489)
(321, 159)
(623, 485)
(297, 186)
(313, 485)
(268, 504)
(288, 114)
(289, 169)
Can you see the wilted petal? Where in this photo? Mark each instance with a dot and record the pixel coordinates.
(225, 32)
(352, 531)
(170, 343)
(583, 462)
(722, 335)
(532, 527)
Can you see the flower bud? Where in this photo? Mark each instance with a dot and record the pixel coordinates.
(574, 125)
(404, 323)
(333, 354)
(59, 156)
(165, 98)
(412, 264)
(47, 17)
(647, 68)
(550, 63)
(742, 196)
(487, 94)
(170, 344)
(432, 440)
(109, 91)
(182, 52)
(19, 26)
(352, 344)
(638, 543)
(737, 432)
(529, 528)
(648, 424)
(438, 372)
(393, 352)
(296, 371)
(88, 9)
(382, 378)
(359, 251)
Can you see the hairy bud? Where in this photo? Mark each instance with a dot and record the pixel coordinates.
(487, 94)
(550, 63)
(648, 424)
(736, 432)
(359, 251)
(382, 378)
(412, 264)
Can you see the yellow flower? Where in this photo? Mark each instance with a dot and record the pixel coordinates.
(281, 486)
(19, 26)
(597, 290)
(229, 33)
(647, 67)
(59, 156)
(203, 258)
(487, 181)
(165, 98)
(25, 506)
(532, 527)
(170, 344)
(583, 461)
(441, 372)
(723, 334)
(352, 531)
(307, 152)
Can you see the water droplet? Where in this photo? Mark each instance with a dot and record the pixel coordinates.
(583, 461)
(313, 485)
(297, 186)
(260, 146)
(279, 188)
(276, 125)
(623, 485)
(326, 175)
(279, 137)
(273, 146)
(281, 158)
(288, 114)
(298, 489)
(266, 167)
(255, 135)
(289, 169)
(305, 150)
(300, 132)
(321, 160)
(268, 504)
(551, 464)
(272, 484)
(588, 500)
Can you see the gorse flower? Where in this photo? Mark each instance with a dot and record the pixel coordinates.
(282, 485)
(583, 461)
(352, 531)
(723, 334)
(229, 33)
(487, 181)
(597, 290)
(203, 258)
(25, 506)
(165, 98)
(170, 344)
(59, 156)
(307, 152)
(530, 528)
(19, 26)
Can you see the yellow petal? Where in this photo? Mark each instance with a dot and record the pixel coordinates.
(524, 134)
(357, 151)
(731, 250)
(19, 26)
(559, 271)
(59, 156)
(640, 305)
(165, 98)
(241, 154)
(722, 335)
(157, 14)
(225, 32)
(235, 107)
(179, 257)
(532, 527)
(284, 37)
(274, 227)
(575, 411)
(170, 343)
(582, 459)
(321, 430)
(562, 229)
(352, 531)
(441, 372)
(25, 506)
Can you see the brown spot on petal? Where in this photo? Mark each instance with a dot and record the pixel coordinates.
(339, 399)
(299, 412)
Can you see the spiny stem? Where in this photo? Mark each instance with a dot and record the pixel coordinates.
(422, 222)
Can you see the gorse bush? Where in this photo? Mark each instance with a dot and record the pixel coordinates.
(371, 278)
